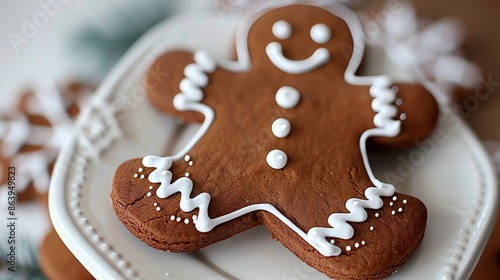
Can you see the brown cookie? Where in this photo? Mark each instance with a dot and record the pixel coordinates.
(57, 262)
(32, 133)
(283, 144)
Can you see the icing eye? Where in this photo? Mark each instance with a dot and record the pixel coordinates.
(320, 33)
(282, 29)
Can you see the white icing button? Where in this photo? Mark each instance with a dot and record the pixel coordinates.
(282, 29)
(150, 187)
(149, 194)
(281, 128)
(400, 210)
(394, 198)
(135, 175)
(391, 203)
(186, 221)
(172, 218)
(158, 208)
(356, 245)
(402, 117)
(140, 169)
(155, 204)
(187, 158)
(393, 212)
(320, 33)
(142, 176)
(405, 201)
(178, 219)
(348, 248)
(363, 242)
(277, 159)
(187, 174)
(371, 227)
(376, 215)
(190, 163)
(287, 97)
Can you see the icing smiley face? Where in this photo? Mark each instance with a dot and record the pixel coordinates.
(285, 148)
(320, 34)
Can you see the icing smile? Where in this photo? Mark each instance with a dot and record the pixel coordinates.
(275, 53)
(320, 33)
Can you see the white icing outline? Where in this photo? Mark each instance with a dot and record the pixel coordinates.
(316, 236)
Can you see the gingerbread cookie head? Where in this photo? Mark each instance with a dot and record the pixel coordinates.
(296, 42)
(283, 143)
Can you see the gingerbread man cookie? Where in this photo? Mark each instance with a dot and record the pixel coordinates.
(283, 143)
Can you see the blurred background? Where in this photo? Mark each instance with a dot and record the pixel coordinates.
(61, 42)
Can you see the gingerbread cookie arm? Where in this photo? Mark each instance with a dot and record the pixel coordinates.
(178, 72)
(418, 113)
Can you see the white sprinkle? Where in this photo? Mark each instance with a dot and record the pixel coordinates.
(391, 203)
(363, 242)
(190, 163)
(178, 219)
(348, 248)
(393, 212)
(400, 210)
(399, 101)
(155, 204)
(402, 116)
(394, 198)
(150, 187)
(356, 245)
(140, 169)
(158, 208)
(187, 158)
(172, 217)
(371, 227)
(395, 89)
(186, 221)
(332, 241)
(187, 174)
(376, 215)
(142, 176)
(405, 201)
(149, 194)
(135, 175)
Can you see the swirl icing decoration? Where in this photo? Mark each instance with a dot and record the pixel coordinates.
(190, 98)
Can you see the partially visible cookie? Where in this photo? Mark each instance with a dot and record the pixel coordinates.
(58, 263)
(283, 143)
(33, 131)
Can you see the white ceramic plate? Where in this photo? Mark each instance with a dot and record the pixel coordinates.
(454, 178)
